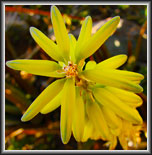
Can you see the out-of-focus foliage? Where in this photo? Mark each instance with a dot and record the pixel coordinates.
(21, 88)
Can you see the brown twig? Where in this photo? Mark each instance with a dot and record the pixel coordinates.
(129, 48)
(20, 9)
(138, 45)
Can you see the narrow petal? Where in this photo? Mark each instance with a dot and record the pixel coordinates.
(67, 109)
(46, 44)
(90, 65)
(125, 133)
(84, 35)
(72, 47)
(95, 135)
(99, 38)
(113, 143)
(105, 77)
(78, 117)
(109, 100)
(37, 67)
(46, 96)
(124, 74)
(88, 129)
(116, 131)
(96, 116)
(52, 105)
(129, 98)
(60, 31)
(113, 62)
(111, 118)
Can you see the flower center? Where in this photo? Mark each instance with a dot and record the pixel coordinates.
(70, 70)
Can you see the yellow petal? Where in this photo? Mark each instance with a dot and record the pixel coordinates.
(99, 38)
(123, 142)
(116, 131)
(137, 81)
(96, 116)
(88, 129)
(37, 67)
(72, 47)
(109, 100)
(60, 31)
(113, 143)
(113, 62)
(84, 35)
(46, 96)
(67, 109)
(105, 77)
(78, 117)
(90, 65)
(46, 44)
(112, 120)
(95, 135)
(52, 105)
(124, 74)
(129, 98)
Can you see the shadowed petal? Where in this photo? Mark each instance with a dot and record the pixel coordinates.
(37, 67)
(46, 96)
(88, 129)
(109, 100)
(111, 118)
(129, 98)
(96, 116)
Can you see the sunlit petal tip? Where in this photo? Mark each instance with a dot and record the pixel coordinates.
(34, 31)
(117, 18)
(88, 19)
(123, 56)
(138, 89)
(24, 119)
(53, 7)
(10, 64)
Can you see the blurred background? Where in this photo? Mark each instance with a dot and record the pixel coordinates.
(21, 88)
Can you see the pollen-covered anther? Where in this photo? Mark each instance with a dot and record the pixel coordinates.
(71, 70)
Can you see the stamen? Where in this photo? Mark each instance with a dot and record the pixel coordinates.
(70, 70)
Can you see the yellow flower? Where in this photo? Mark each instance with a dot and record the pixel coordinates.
(93, 100)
